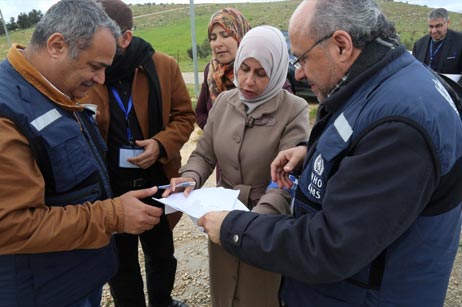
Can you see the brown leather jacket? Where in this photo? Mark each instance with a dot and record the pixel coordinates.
(177, 112)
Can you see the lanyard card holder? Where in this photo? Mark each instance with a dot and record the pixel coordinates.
(126, 152)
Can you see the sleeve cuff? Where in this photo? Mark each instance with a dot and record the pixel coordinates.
(233, 229)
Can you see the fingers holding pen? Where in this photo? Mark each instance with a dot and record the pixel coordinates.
(138, 216)
(179, 182)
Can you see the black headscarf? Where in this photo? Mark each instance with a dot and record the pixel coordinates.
(139, 54)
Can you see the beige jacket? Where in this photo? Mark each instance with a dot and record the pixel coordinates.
(244, 147)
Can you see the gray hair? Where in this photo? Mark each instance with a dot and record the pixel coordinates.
(362, 19)
(439, 13)
(77, 21)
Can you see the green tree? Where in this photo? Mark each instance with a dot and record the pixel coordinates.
(34, 17)
(23, 21)
(203, 50)
(29, 20)
(12, 25)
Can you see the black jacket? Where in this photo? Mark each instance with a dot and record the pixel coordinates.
(451, 52)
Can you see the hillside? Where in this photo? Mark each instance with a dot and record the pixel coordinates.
(167, 26)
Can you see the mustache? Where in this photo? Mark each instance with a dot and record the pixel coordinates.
(88, 83)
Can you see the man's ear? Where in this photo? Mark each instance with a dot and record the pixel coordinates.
(57, 46)
(125, 39)
(344, 44)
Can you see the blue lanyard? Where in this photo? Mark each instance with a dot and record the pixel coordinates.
(432, 54)
(126, 112)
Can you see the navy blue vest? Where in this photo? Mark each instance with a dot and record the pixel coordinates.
(70, 157)
(386, 281)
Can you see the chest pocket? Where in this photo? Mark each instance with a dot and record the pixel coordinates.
(69, 153)
(329, 151)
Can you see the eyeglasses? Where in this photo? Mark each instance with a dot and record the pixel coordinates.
(296, 62)
(437, 26)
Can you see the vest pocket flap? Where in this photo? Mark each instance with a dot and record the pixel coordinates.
(70, 157)
(332, 144)
(54, 135)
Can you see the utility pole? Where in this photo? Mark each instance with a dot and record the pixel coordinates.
(194, 47)
(6, 30)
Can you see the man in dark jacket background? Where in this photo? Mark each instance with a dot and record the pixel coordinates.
(441, 48)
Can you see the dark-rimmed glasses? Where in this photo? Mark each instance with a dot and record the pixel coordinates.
(437, 26)
(296, 62)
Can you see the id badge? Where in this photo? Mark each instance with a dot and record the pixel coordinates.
(129, 152)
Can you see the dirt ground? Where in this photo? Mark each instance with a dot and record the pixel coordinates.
(192, 280)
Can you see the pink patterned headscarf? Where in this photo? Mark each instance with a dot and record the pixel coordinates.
(220, 77)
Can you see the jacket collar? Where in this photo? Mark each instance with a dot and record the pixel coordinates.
(37, 80)
(268, 107)
(371, 61)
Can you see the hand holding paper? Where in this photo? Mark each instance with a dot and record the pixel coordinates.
(211, 223)
(202, 201)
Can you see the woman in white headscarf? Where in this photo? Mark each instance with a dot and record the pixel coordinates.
(246, 128)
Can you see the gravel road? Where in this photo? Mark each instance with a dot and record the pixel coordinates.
(192, 280)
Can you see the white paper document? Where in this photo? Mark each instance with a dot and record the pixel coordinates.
(201, 201)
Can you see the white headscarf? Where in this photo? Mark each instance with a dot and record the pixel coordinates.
(268, 46)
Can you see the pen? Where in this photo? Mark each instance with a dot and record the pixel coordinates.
(179, 185)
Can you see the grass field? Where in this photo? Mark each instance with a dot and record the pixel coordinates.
(168, 27)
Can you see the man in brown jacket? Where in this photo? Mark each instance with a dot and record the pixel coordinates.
(146, 116)
(56, 215)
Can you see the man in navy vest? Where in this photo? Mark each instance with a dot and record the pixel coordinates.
(376, 213)
(441, 48)
(56, 212)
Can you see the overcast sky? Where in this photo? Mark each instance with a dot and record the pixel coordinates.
(12, 8)
(450, 5)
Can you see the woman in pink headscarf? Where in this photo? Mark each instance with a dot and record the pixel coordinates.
(226, 30)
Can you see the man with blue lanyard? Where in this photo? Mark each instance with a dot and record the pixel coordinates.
(441, 48)
(145, 115)
(377, 209)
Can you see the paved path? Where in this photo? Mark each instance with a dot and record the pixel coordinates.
(189, 77)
